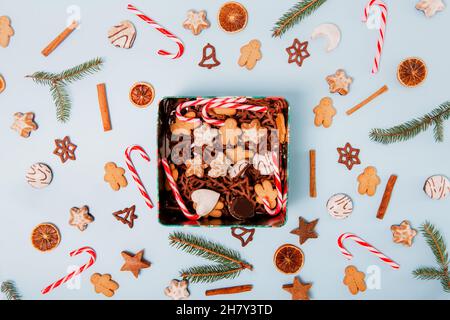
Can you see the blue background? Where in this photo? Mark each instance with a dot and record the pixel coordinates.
(80, 182)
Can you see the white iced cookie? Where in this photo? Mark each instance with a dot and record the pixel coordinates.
(340, 206)
(204, 201)
(329, 31)
(263, 163)
(177, 290)
(238, 168)
(430, 7)
(39, 175)
(122, 35)
(437, 187)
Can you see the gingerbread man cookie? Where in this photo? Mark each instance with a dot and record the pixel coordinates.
(104, 284)
(6, 31)
(267, 192)
(230, 132)
(354, 280)
(24, 123)
(250, 54)
(324, 113)
(115, 176)
(368, 181)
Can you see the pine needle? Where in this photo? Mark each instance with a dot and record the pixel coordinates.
(437, 245)
(229, 266)
(412, 128)
(427, 273)
(210, 273)
(62, 102)
(10, 290)
(436, 242)
(206, 249)
(296, 14)
(58, 83)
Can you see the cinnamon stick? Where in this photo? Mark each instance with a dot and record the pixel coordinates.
(59, 39)
(229, 290)
(379, 92)
(103, 103)
(312, 174)
(386, 197)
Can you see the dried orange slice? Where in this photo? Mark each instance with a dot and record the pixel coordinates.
(142, 94)
(411, 72)
(45, 237)
(2, 84)
(232, 17)
(289, 259)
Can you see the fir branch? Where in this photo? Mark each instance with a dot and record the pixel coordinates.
(206, 249)
(43, 78)
(10, 290)
(427, 273)
(58, 83)
(436, 242)
(296, 14)
(62, 102)
(80, 71)
(412, 128)
(210, 273)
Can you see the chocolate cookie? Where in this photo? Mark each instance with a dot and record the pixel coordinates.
(241, 208)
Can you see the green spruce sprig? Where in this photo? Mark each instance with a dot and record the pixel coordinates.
(58, 84)
(230, 264)
(437, 244)
(296, 14)
(10, 290)
(412, 128)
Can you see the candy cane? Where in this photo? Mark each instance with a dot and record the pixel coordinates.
(369, 247)
(236, 105)
(383, 8)
(134, 173)
(164, 31)
(281, 198)
(200, 102)
(74, 273)
(176, 192)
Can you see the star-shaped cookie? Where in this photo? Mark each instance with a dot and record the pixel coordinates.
(196, 21)
(403, 233)
(80, 217)
(305, 230)
(298, 52)
(134, 263)
(24, 123)
(65, 149)
(298, 290)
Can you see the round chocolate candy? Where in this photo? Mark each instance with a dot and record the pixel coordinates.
(241, 208)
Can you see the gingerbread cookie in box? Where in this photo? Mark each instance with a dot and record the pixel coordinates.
(224, 161)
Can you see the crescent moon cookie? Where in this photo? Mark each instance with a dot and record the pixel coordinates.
(122, 35)
(340, 206)
(437, 187)
(329, 31)
(39, 175)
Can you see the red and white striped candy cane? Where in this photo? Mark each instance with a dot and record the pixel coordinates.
(236, 105)
(176, 192)
(281, 198)
(366, 245)
(200, 102)
(384, 12)
(134, 173)
(164, 31)
(74, 273)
